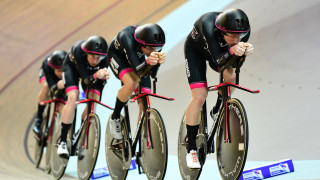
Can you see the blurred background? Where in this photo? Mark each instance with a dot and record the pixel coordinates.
(283, 118)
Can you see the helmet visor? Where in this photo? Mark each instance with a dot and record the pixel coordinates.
(101, 57)
(235, 35)
(97, 56)
(155, 48)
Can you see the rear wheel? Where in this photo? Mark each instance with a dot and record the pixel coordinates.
(40, 143)
(88, 147)
(115, 150)
(154, 146)
(58, 163)
(50, 131)
(185, 172)
(231, 157)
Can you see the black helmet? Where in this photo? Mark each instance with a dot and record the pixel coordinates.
(56, 59)
(150, 35)
(95, 45)
(234, 21)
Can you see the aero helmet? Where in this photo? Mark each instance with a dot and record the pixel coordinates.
(95, 45)
(150, 35)
(56, 59)
(233, 21)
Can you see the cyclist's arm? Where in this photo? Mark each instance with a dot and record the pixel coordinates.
(80, 59)
(141, 68)
(50, 75)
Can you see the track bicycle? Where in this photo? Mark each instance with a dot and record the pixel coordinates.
(230, 125)
(52, 114)
(152, 154)
(84, 143)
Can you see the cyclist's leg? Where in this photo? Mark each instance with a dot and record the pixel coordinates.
(123, 71)
(71, 80)
(192, 113)
(145, 88)
(196, 72)
(229, 76)
(94, 93)
(42, 96)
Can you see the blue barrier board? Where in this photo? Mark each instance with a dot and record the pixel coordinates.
(267, 171)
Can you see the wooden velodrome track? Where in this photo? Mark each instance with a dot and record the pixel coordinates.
(284, 117)
(31, 29)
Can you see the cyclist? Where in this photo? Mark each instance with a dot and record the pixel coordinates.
(133, 54)
(86, 61)
(217, 38)
(50, 78)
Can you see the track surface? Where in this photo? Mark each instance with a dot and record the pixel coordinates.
(283, 118)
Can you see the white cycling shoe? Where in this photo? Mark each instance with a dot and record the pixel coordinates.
(193, 160)
(115, 128)
(62, 149)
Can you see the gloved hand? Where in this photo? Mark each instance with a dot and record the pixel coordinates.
(102, 74)
(153, 59)
(249, 49)
(239, 49)
(162, 57)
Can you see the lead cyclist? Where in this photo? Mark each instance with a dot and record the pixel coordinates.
(217, 37)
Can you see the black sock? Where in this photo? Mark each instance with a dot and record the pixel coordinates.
(192, 135)
(117, 109)
(40, 111)
(216, 108)
(64, 131)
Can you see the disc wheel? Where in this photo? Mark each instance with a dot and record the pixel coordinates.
(114, 150)
(185, 172)
(58, 163)
(88, 147)
(50, 131)
(40, 143)
(231, 156)
(154, 146)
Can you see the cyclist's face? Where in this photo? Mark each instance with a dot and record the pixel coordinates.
(149, 49)
(58, 73)
(232, 38)
(93, 59)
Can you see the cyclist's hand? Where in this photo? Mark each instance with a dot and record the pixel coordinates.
(60, 84)
(239, 49)
(162, 57)
(102, 74)
(153, 59)
(249, 49)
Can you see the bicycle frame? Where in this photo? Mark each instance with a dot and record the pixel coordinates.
(145, 97)
(226, 96)
(56, 109)
(90, 111)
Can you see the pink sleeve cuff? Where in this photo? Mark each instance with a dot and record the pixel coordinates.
(94, 76)
(231, 52)
(147, 60)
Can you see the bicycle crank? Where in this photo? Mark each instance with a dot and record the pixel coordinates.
(126, 154)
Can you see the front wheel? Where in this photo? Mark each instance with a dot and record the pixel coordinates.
(88, 147)
(115, 151)
(186, 173)
(154, 146)
(231, 156)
